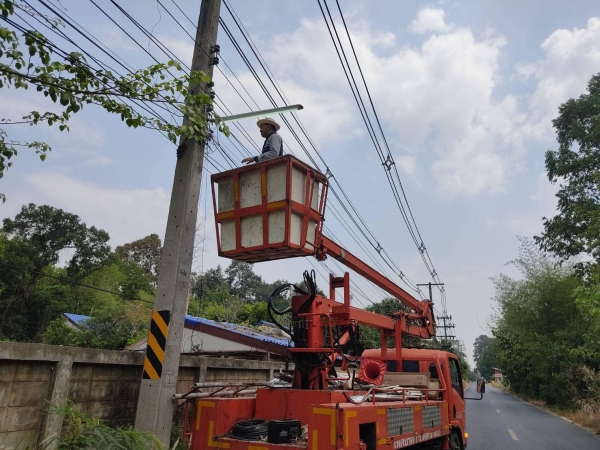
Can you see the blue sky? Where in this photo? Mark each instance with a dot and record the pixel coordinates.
(465, 90)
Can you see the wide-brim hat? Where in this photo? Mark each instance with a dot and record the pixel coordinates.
(269, 121)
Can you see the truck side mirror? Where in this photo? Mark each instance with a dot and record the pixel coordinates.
(481, 386)
(480, 390)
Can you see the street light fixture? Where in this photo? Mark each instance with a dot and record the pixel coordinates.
(263, 112)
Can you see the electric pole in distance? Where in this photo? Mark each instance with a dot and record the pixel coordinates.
(161, 366)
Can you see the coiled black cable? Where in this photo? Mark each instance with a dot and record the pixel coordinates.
(250, 430)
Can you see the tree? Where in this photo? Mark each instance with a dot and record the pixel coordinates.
(484, 356)
(242, 280)
(34, 291)
(212, 279)
(370, 337)
(105, 330)
(133, 280)
(46, 231)
(576, 167)
(145, 253)
(71, 83)
(540, 335)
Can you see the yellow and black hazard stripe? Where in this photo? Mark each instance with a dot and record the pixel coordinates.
(155, 349)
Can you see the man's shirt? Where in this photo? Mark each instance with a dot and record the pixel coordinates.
(272, 148)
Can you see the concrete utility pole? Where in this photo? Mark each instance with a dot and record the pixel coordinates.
(155, 404)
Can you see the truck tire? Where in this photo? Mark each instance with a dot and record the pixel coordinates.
(454, 441)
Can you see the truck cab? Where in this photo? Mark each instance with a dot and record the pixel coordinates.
(443, 369)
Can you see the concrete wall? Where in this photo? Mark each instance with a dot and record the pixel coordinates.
(23, 388)
(102, 383)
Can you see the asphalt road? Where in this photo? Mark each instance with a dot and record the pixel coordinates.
(503, 422)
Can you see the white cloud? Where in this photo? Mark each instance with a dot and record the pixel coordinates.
(545, 193)
(84, 139)
(99, 160)
(114, 38)
(429, 20)
(436, 98)
(571, 57)
(525, 71)
(407, 163)
(543, 204)
(144, 211)
(182, 48)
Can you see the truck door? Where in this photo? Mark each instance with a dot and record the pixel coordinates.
(457, 403)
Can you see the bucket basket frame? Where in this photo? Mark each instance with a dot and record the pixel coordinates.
(295, 205)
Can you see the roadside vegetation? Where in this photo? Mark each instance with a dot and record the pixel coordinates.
(546, 329)
(53, 263)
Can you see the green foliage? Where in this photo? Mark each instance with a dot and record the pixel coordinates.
(145, 253)
(242, 280)
(32, 295)
(104, 331)
(484, 356)
(370, 337)
(540, 338)
(213, 280)
(58, 333)
(236, 295)
(576, 166)
(71, 83)
(49, 230)
(133, 281)
(256, 312)
(81, 431)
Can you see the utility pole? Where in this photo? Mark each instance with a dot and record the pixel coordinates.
(161, 366)
(443, 318)
(430, 285)
(445, 327)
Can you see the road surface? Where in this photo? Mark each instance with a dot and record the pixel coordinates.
(503, 422)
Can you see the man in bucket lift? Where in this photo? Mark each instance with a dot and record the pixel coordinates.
(273, 146)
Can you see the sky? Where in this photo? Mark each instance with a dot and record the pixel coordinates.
(465, 91)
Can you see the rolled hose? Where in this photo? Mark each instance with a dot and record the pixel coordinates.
(250, 430)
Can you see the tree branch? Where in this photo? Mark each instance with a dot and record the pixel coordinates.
(6, 69)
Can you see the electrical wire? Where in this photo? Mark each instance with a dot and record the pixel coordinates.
(221, 148)
(265, 67)
(386, 159)
(75, 283)
(277, 88)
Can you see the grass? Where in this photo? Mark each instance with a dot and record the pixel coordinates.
(587, 416)
(82, 432)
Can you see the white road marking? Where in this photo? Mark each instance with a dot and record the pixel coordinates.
(513, 435)
(498, 411)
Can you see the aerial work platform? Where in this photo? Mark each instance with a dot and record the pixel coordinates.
(270, 210)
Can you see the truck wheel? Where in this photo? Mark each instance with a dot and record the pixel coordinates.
(454, 441)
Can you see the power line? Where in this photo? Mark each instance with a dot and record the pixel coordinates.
(384, 138)
(385, 157)
(220, 146)
(61, 34)
(284, 119)
(257, 77)
(75, 283)
(65, 55)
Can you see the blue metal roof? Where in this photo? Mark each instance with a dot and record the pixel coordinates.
(77, 319)
(193, 322)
